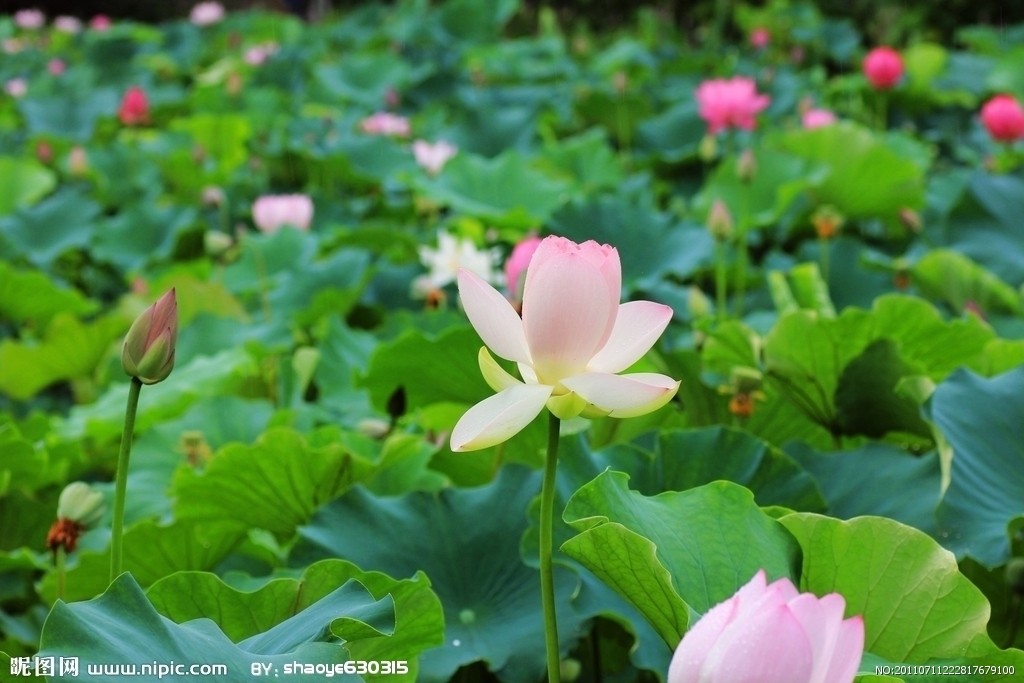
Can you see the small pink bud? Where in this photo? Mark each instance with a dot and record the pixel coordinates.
(515, 266)
(148, 351)
(760, 37)
(720, 223)
(884, 67)
(1003, 118)
(817, 118)
(134, 108)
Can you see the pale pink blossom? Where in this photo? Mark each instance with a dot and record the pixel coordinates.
(56, 66)
(16, 87)
(270, 213)
(760, 37)
(1003, 118)
(816, 118)
(29, 19)
(207, 14)
(66, 24)
(771, 633)
(257, 54)
(433, 157)
(732, 103)
(883, 67)
(100, 22)
(386, 123)
(571, 341)
(516, 265)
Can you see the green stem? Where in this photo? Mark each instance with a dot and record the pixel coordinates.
(721, 280)
(58, 567)
(547, 576)
(823, 259)
(741, 271)
(121, 483)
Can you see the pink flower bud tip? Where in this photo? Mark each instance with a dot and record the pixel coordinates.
(148, 352)
(883, 67)
(1003, 118)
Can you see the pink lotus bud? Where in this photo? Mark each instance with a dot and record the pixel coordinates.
(1003, 118)
(16, 87)
(148, 352)
(56, 67)
(386, 123)
(66, 24)
(732, 103)
(884, 67)
(720, 223)
(516, 265)
(760, 37)
(29, 19)
(433, 157)
(207, 13)
(270, 213)
(771, 633)
(100, 22)
(817, 118)
(134, 108)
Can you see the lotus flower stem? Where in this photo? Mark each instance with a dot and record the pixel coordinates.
(121, 483)
(741, 271)
(721, 280)
(547, 577)
(59, 555)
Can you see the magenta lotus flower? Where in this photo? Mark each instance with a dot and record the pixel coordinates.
(148, 351)
(760, 37)
(572, 340)
(884, 67)
(100, 22)
(270, 213)
(207, 13)
(817, 118)
(516, 265)
(1003, 118)
(134, 109)
(433, 156)
(771, 633)
(386, 123)
(732, 103)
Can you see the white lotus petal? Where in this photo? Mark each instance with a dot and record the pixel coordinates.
(495, 375)
(624, 395)
(499, 417)
(637, 326)
(493, 317)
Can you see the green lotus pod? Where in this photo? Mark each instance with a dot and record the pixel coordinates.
(148, 351)
(81, 503)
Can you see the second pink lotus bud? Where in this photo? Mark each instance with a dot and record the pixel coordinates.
(148, 351)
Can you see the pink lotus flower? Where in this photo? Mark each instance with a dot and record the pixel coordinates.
(66, 24)
(730, 103)
(386, 123)
(270, 213)
(257, 54)
(1003, 118)
(816, 118)
(771, 633)
(16, 87)
(207, 14)
(433, 157)
(29, 19)
(56, 67)
(884, 67)
(760, 37)
(134, 108)
(148, 351)
(516, 265)
(573, 337)
(100, 22)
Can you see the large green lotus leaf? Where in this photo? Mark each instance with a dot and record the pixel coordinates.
(218, 375)
(674, 135)
(499, 118)
(586, 160)
(344, 355)
(142, 233)
(956, 280)
(70, 115)
(29, 296)
(403, 465)
(470, 21)
(151, 552)
(30, 464)
(651, 244)
(222, 137)
(677, 550)
(761, 201)
(57, 224)
(505, 190)
(121, 626)
(984, 225)
(876, 479)
(429, 369)
(419, 620)
(365, 159)
(620, 113)
(916, 604)
(69, 350)
(26, 181)
(364, 78)
(983, 421)
(467, 542)
(275, 484)
(866, 179)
